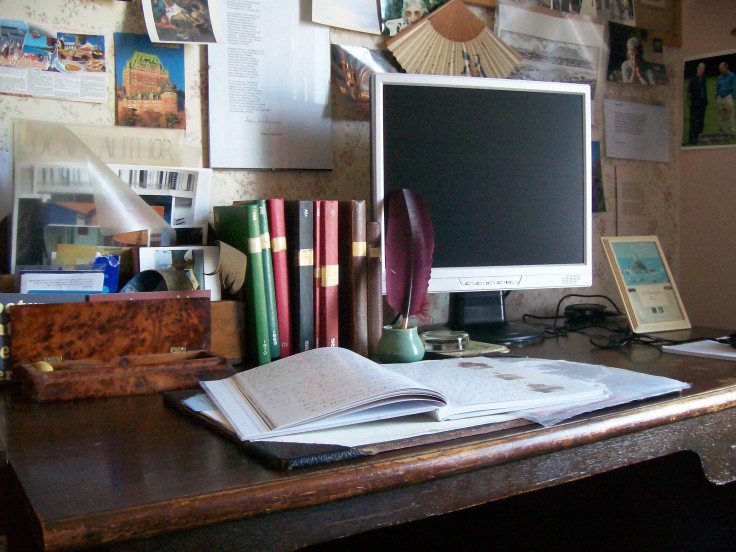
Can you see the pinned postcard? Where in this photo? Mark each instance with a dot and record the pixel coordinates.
(149, 80)
(45, 62)
(182, 21)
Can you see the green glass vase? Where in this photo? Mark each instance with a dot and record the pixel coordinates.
(399, 345)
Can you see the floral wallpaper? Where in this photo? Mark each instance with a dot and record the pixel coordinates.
(351, 176)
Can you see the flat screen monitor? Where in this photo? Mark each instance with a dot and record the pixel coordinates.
(504, 167)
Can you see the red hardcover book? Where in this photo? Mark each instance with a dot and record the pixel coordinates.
(277, 230)
(317, 270)
(329, 279)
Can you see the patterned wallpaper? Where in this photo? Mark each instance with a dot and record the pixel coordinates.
(351, 176)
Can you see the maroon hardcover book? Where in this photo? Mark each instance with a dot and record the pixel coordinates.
(329, 314)
(277, 230)
(353, 296)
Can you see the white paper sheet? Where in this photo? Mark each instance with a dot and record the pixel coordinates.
(269, 95)
(706, 348)
(625, 386)
(354, 15)
(636, 131)
(631, 203)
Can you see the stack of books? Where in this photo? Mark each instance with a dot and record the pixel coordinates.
(311, 276)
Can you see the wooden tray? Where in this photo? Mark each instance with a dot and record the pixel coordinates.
(126, 375)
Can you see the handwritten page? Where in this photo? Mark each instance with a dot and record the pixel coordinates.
(321, 383)
(270, 89)
(490, 385)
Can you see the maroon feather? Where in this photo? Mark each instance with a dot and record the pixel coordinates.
(409, 251)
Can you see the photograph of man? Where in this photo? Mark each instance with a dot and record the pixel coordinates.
(635, 70)
(725, 93)
(697, 95)
(633, 58)
(708, 97)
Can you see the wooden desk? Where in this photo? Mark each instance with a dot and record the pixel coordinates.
(108, 471)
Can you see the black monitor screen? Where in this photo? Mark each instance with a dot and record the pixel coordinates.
(502, 171)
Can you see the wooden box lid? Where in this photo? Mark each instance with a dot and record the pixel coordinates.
(76, 331)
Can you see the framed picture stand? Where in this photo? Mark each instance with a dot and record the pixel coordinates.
(645, 282)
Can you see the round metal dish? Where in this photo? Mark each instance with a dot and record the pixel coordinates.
(444, 340)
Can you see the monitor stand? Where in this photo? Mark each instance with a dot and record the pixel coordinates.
(483, 315)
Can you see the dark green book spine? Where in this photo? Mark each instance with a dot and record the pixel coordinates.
(230, 226)
(255, 289)
(268, 282)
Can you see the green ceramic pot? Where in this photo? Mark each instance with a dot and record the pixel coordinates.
(400, 345)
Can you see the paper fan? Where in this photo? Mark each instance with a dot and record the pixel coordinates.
(453, 41)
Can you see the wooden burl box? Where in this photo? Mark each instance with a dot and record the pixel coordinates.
(106, 349)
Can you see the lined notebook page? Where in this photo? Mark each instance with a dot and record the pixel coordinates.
(320, 381)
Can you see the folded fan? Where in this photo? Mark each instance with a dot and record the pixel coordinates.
(453, 41)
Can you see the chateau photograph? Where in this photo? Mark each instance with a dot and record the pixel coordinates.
(147, 94)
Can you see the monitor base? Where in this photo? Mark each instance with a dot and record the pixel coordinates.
(510, 333)
(483, 316)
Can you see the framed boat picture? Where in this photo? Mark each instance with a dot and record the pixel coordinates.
(647, 288)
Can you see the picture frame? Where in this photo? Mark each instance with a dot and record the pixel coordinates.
(651, 300)
(703, 125)
(201, 260)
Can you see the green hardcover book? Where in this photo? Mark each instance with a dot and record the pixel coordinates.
(268, 282)
(254, 289)
(231, 225)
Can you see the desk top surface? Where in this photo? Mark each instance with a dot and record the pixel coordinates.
(105, 462)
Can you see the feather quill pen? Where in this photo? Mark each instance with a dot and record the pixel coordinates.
(409, 252)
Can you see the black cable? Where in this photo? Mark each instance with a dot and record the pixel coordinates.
(537, 317)
(561, 331)
(631, 338)
(617, 337)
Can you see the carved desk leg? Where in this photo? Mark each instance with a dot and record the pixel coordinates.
(713, 438)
